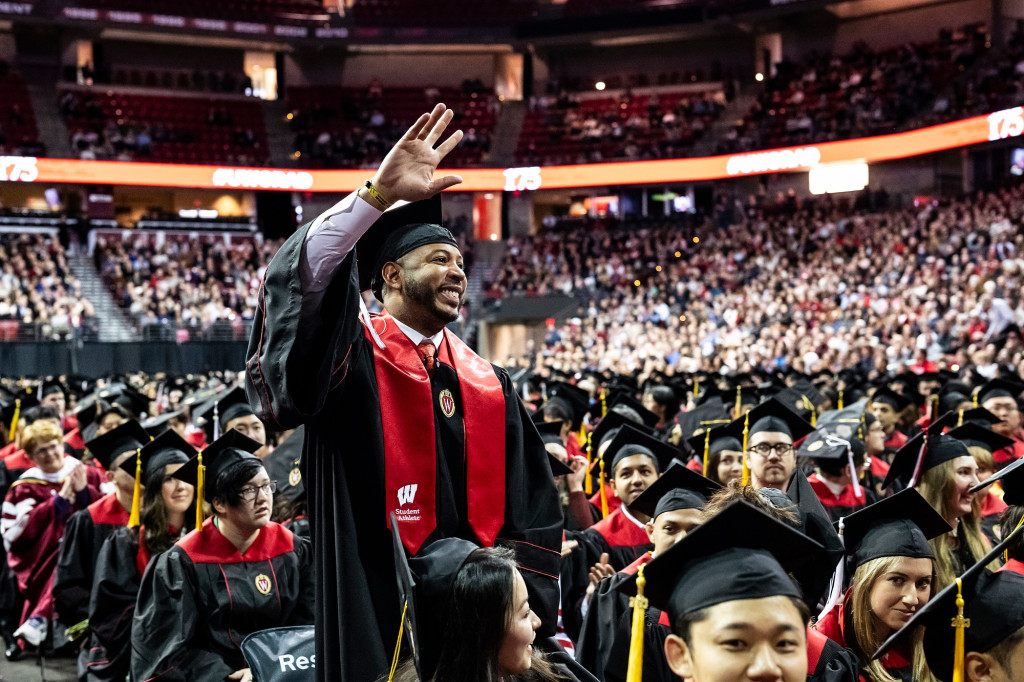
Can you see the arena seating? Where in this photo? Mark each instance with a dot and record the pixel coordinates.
(18, 132)
(337, 126)
(109, 124)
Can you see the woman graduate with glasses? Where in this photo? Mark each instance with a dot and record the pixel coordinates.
(237, 573)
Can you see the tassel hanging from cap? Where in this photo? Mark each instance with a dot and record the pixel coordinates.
(588, 482)
(840, 403)
(398, 645)
(808, 405)
(835, 591)
(1006, 552)
(916, 477)
(960, 624)
(974, 399)
(14, 421)
(604, 403)
(959, 418)
(216, 422)
(746, 464)
(200, 491)
(739, 402)
(635, 668)
(133, 518)
(934, 401)
(604, 491)
(696, 387)
(707, 446)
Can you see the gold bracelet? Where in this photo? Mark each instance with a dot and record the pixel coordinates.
(372, 190)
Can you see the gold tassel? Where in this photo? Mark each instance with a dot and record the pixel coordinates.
(696, 387)
(739, 402)
(200, 491)
(1006, 552)
(959, 418)
(604, 403)
(635, 669)
(960, 623)
(398, 644)
(810, 406)
(746, 465)
(133, 518)
(588, 482)
(604, 492)
(974, 399)
(14, 422)
(840, 399)
(707, 444)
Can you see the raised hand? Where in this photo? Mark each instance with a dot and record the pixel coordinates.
(407, 172)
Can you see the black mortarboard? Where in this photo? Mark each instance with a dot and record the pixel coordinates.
(845, 423)
(717, 439)
(741, 542)
(117, 393)
(771, 416)
(690, 490)
(900, 525)
(157, 425)
(998, 388)
(1012, 478)
(395, 233)
(576, 400)
(282, 465)
(17, 404)
(553, 429)
(824, 446)
(705, 416)
(630, 441)
(558, 467)
(228, 407)
(940, 448)
(49, 386)
(127, 437)
(228, 450)
(650, 419)
(975, 435)
(424, 586)
(168, 448)
(608, 424)
(816, 524)
(990, 608)
(896, 401)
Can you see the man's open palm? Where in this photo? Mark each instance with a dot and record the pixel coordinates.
(407, 172)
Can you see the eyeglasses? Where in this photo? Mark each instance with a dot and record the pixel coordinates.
(250, 492)
(765, 449)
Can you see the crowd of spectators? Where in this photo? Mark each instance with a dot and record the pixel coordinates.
(40, 299)
(197, 80)
(355, 127)
(808, 286)
(185, 289)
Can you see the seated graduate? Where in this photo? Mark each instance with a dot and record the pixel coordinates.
(88, 528)
(283, 466)
(36, 510)
(721, 455)
(467, 618)
(237, 573)
(973, 630)
(836, 480)
(891, 561)
(751, 626)
(157, 521)
(569, 474)
(981, 444)
(1011, 479)
(675, 503)
(943, 471)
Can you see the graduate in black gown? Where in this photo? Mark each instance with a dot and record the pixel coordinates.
(158, 521)
(87, 529)
(431, 432)
(237, 574)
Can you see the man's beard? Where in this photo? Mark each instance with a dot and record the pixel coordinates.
(423, 296)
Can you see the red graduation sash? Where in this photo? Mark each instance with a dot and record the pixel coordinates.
(410, 446)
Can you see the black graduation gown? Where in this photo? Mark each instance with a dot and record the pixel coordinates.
(200, 599)
(83, 538)
(319, 369)
(111, 607)
(655, 668)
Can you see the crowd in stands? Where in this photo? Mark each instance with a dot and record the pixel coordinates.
(37, 289)
(18, 132)
(109, 125)
(198, 80)
(197, 288)
(355, 127)
(812, 286)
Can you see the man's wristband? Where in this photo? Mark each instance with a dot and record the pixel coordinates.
(375, 194)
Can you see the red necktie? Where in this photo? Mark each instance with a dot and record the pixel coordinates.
(429, 353)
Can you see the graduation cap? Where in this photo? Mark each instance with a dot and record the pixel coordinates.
(896, 401)
(739, 395)
(395, 233)
(127, 397)
(739, 553)
(631, 441)
(625, 400)
(214, 417)
(127, 437)
(976, 436)
(770, 416)
(575, 400)
(14, 409)
(976, 612)
(713, 441)
(705, 416)
(608, 424)
(49, 386)
(1012, 477)
(558, 467)
(677, 488)
(845, 423)
(157, 425)
(938, 449)
(148, 464)
(997, 388)
(425, 583)
(282, 465)
(816, 524)
(550, 432)
(900, 525)
(228, 450)
(709, 390)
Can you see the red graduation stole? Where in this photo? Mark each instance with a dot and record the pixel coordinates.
(410, 446)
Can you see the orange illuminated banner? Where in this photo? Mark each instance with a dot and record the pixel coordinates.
(970, 131)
